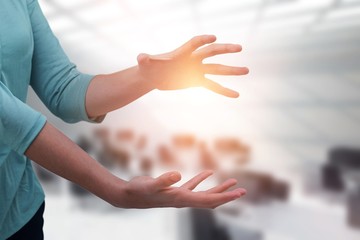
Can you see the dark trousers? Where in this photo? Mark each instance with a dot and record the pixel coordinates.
(33, 229)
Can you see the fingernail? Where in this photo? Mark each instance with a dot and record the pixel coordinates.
(239, 193)
(174, 177)
(237, 47)
(242, 191)
(233, 180)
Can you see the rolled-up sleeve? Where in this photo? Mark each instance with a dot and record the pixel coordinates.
(19, 123)
(56, 80)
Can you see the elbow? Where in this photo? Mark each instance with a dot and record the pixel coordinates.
(67, 116)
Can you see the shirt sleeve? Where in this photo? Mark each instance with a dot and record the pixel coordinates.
(19, 123)
(60, 86)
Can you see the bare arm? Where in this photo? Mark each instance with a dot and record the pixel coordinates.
(179, 69)
(54, 151)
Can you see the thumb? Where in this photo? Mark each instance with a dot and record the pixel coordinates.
(167, 179)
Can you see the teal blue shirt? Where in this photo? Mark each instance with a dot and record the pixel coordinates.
(31, 55)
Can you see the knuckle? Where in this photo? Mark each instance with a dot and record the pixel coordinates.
(214, 50)
(198, 40)
(204, 68)
(195, 40)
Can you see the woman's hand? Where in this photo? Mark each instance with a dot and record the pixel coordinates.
(183, 67)
(148, 192)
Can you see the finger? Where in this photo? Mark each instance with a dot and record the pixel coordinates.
(221, 198)
(217, 88)
(223, 187)
(212, 200)
(167, 179)
(192, 183)
(218, 69)
(216, 49)
(195, 43)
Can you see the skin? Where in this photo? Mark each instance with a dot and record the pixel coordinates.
(178, 69)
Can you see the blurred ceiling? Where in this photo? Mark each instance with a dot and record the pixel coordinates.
(325, 26)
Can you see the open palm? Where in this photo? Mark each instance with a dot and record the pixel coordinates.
(148, 192)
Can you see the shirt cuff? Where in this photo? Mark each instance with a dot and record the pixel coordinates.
(34, 130)
(86, 80)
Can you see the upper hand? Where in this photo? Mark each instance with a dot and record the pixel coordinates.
(183, 67)
(148, 192)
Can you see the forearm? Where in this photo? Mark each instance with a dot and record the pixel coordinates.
(57, 153)
(112, 91)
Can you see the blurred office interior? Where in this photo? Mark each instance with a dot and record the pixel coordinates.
(292, 138)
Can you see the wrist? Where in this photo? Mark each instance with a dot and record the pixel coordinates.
(116, 195)
(144, 80)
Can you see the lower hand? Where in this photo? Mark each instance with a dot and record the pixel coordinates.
(148, 192)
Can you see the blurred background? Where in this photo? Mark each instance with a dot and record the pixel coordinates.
(292, 139)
